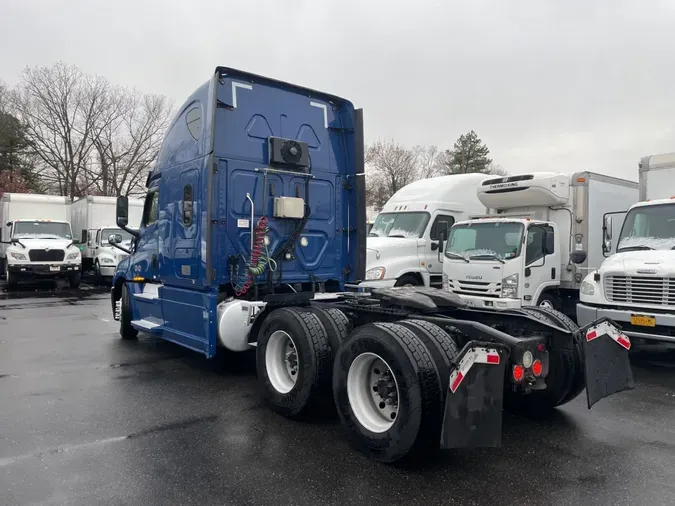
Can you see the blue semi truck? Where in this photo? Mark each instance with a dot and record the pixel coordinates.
(254, 230)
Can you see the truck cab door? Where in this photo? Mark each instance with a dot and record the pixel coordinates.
(146, 256)
(542, 262)
(433, 250)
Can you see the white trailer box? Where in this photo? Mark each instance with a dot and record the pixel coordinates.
(403, 242)
(635, 286)
(500, 260)
(93, 220)
(657, 176)
(37, 239)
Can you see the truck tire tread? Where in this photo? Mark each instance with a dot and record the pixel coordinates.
(441, 346)
(414, 435)
(337, 329)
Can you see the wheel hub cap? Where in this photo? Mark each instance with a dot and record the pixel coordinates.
(373, 392)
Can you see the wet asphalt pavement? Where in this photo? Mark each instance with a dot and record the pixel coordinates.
(86, 418)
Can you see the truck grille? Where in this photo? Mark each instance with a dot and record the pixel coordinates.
(40, 255)
(640, 290)
(477, 288)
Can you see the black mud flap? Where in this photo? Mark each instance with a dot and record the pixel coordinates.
(473, 406)
(606, 361)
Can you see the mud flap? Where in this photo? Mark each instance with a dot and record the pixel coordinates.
(606, 361)
(473, 406)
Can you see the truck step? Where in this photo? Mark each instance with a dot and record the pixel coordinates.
(150, 292)
(148, 325)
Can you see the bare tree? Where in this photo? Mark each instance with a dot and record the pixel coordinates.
(430, 161)
(63, 110)
(90, 137)
(127, 148)
(389, 167)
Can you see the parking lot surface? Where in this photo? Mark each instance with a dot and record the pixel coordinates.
(87, 418)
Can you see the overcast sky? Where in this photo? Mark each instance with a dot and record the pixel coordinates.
(547, 84)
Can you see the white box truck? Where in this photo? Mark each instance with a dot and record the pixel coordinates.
(37, 239)
(635, 287)
(403, 243)
(520, 252)
(93, 219)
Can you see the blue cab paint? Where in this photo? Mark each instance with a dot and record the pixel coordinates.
(215, 153)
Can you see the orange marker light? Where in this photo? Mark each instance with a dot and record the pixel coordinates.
(581, 180)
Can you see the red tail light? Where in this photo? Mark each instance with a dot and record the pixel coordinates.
(518, 373)
(537, 368)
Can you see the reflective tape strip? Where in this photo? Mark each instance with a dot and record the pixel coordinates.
(477, 355)
(611, 331)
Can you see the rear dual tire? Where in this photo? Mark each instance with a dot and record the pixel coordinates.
(389, 384)
(387, 381)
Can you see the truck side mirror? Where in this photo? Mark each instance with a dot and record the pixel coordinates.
(442, 237)
(115, 238)
(83, 239)
(549, 242)
(578, 257)
(607, 228)
(122, 211)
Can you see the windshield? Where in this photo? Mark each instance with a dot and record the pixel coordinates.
(488, 239)
(399, 225)
(648, 227)
(41, 230)
(107, 232)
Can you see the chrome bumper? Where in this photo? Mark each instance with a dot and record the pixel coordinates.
(587, 314)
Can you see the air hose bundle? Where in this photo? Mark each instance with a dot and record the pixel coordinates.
(258, 260)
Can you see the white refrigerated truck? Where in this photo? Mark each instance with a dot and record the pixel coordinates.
(93, 219)
(403, 242)
(37, 239)
(520, 252)
(636, 286)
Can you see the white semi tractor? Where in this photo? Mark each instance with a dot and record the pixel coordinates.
(93, 219)
(37, 240)
(636, 286)
(521, 252)
(403, 242)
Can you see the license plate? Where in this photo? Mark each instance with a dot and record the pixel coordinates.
(54, 268)
(643, 321)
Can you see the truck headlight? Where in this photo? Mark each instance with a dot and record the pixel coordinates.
(446, 285)
(375, 273)
(587, 288)
(107, 261)
(73, 256)
(510, 287)
(18, 256)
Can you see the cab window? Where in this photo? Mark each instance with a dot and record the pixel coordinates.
(151, 209)
(535, 243)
